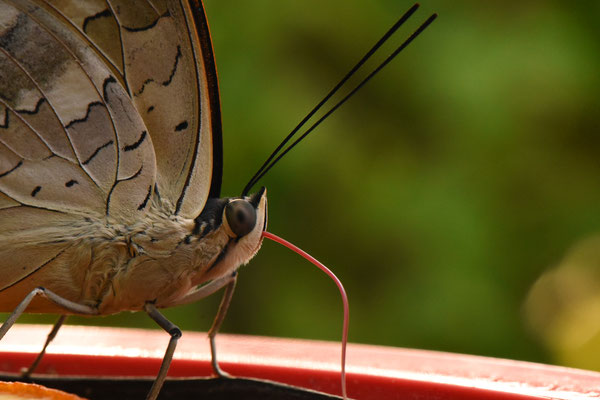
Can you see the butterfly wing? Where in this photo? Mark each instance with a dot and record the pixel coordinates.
(67, 131)
(100, 113)
(162, 53)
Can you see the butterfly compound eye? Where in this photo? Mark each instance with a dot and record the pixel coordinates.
(241, 217)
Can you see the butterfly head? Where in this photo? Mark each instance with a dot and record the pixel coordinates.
(244, 218)
(233, 227)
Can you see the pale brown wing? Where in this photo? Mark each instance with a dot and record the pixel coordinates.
(161, 52)
(73, 148)
(70, 138)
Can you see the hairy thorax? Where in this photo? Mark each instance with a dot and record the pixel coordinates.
(159, 261)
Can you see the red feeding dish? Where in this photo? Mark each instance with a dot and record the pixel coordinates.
(374, 372)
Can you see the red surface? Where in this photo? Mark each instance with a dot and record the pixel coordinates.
(374, 372)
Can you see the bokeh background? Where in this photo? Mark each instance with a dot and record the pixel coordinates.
(457, 195)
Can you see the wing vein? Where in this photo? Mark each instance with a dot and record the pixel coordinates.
(124, 72)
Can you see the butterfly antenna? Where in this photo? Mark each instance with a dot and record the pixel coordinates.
(343, 100)
(266, 166)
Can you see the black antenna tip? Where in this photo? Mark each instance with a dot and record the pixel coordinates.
(413, 9)
(429, 20)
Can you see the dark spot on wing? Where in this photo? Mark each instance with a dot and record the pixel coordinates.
(36, 109)
(181, 126)
(71, 183)
(95, 153)
(87, 114)
(35, 191)
(169, 79)
(107, 81)
(101, 14)
(143, 205)
(137, 144)
(150, 109)
(146, 27)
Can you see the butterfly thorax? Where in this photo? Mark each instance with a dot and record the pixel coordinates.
(157, 260)
(168, 257)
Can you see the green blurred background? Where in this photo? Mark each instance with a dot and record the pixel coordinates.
(456, 196)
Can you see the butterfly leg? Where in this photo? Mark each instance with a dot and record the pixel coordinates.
(175, 333)
(219, 318)
(229, 283)
(68, 305)
(27, 373)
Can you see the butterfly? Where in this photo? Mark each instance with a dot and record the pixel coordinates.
(111, 163)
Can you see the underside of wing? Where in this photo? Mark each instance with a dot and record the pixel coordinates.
(73, 148)
(70, 138)
(161, 52)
